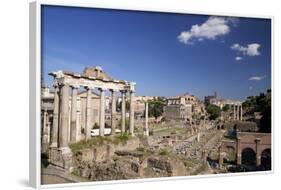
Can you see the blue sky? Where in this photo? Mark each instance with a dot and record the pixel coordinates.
(165, 54)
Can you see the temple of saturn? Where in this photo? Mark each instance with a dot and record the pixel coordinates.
(237, 112)
(64, 125)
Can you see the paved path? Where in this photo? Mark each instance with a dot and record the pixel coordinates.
(53, 175)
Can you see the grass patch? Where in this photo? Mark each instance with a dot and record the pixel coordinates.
(75, 175)
(99, 141)
(141, 149)
(164, 152)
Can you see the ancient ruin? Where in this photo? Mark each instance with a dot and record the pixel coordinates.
(65, 128)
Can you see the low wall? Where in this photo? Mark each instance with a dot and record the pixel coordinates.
(103, 152)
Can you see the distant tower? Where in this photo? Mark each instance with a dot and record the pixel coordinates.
(215, 95)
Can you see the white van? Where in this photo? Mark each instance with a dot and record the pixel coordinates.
(107, 131)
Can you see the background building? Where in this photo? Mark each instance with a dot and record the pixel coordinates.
(183, 107)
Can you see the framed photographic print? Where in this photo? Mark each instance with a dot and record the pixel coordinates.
(122, 95)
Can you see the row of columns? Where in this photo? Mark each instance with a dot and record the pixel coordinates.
(59, 132)
(237, 112)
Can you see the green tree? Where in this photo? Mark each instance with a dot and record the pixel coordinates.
(225, 108)
(214, 111)
(155, 107)
(261, 103)
(265, 122)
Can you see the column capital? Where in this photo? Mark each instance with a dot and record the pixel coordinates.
(74, 86)
(258, 140)
(113, 90)
(88, 87)
(102, 89)
(62, 83)
(123, 91)
(55, 84)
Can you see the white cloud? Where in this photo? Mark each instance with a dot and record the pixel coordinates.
(210, 29)
(257, 78)
(250, 49)
(238, 58)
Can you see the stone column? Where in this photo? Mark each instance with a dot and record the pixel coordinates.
(48, 127)
(258, 152)
(238, 148)
(241, 113)
(123, 112)
(132, 112)
(236, 112)
(204, 156)
(54, 131)
(78, 124)
(146, 130)
(64, 121)
(113, 112)
(234, 115)
(88, 126)
(102, 111)
(73, 126)
(44, 140)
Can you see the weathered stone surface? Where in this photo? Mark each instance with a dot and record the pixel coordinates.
(243, 126)
(160, 164)
(129, 153)
(61, 157)
(109, 170)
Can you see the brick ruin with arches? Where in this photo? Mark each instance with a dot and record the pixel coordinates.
(258, 143)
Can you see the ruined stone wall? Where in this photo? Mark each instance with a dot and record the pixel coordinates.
(100, 153)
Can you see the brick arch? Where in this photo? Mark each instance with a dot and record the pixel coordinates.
(248, 147)
(248, 138)
(266, 159)
(265, 148)
(258, 142)
(227, 144)
(245, 146)
(253, 155)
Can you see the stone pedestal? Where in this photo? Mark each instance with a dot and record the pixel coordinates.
(61, 157)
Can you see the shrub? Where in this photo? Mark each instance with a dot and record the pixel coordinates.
(95, 126)
(163, 152)
(141, 149)
(150, 132)
(124, 137)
